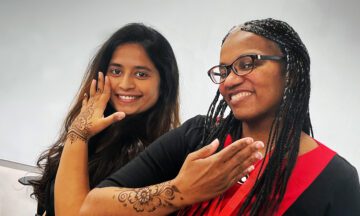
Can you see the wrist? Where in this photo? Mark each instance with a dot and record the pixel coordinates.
(182, 200)
(75, 134)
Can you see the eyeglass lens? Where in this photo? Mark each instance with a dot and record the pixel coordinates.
(241, 66)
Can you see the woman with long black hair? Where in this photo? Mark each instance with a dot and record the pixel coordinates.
(139, 68)
(264, 160)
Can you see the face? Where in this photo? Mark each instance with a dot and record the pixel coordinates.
(133, 78)
(256, 95)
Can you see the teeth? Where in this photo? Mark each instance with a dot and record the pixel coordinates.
(124, 97)
(240, 95)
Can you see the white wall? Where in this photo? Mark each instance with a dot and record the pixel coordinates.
(45, 47)
(14, 197)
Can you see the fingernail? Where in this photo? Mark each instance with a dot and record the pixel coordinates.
(213, 142)
(249, 140)
(250, 168)
(216, 141)
(258, 155)
(259, 145)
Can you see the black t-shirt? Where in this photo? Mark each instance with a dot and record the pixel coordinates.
(162, 160)
(336, 191)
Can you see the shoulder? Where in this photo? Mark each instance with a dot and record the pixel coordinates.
(190, 130)
(197, 122)
(342, 169)
(338, 168)
(343, 181)
(342, 178)
(191, 126)
(335, 191)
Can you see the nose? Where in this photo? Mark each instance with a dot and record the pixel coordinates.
(125, 82)
(233, 80)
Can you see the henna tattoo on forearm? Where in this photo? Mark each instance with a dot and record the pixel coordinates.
(80, 127)
(150, 198)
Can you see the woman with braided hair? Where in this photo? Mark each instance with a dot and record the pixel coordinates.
(262, 158)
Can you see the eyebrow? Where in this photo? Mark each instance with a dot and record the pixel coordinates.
(245, 54)
(136, 67)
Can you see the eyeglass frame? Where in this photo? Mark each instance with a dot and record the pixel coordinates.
(253, 58)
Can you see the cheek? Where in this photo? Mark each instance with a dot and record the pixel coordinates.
(152, 90)
(112, 83)
(156, 92)
(273, 90)
(222, 90)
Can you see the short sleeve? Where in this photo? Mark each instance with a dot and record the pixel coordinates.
(162, 160)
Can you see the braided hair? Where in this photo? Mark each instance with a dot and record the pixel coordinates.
(292, 117)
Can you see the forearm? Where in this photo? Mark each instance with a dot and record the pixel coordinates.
(72, 181)
(159, 199)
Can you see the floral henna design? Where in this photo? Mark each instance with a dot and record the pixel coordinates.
(148, 198)
(80, 127)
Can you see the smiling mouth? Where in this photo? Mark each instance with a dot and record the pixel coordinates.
(127, 98)
(239, 96)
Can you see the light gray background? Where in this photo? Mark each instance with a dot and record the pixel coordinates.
(45, 47)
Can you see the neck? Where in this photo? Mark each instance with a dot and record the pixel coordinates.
(258, 130)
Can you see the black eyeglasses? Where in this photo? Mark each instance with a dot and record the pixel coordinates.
(243, 65)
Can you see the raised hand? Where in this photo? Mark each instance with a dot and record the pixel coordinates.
(205, 175)
(90, 120)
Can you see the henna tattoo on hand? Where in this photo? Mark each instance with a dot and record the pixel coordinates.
(148, 198)
(79, 129)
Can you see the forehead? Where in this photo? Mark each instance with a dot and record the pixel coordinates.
(133, 49)
(242, 42)
(132, 54)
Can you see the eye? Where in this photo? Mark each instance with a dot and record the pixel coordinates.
(223, 72)
(141, 74)
(244, 64)
(115, 72)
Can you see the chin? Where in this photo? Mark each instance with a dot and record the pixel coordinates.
(126, 111)
(129, 112)
(245, 115)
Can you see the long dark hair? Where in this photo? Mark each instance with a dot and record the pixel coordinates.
(116, 145)
(292, 117)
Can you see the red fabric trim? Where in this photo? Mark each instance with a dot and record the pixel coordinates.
(307, 169)
(233, 205)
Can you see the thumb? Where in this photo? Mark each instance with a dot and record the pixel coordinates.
(113, 118)
(206, 151)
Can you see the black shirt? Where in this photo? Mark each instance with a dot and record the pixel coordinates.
(336, 191)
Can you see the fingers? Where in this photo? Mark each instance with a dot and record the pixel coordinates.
(250, 153)
(106, 122)
(240, 177)
(113, 118)
(205, 151)
(93, 88)
(100, 90)
(231, 150)
(97, 87)
(100, 83)
(84, 101)
(107, 86)
(242, 170)
(105, 96)
(243, 162)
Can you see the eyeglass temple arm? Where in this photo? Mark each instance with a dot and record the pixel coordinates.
(268, 57)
